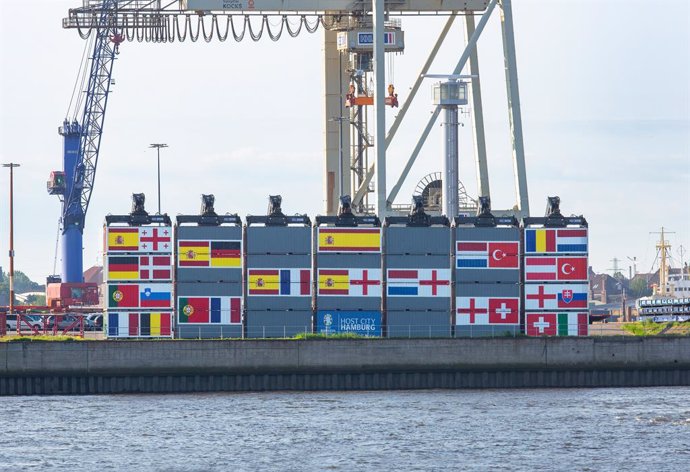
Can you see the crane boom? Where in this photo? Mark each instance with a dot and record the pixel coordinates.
(82, 140)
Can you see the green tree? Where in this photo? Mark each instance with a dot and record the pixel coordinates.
(640, 288)
(36, 300)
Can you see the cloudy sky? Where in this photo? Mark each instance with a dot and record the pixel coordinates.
(605, 103)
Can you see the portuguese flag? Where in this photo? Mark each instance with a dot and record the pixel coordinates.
(123, 296)
(193, 309)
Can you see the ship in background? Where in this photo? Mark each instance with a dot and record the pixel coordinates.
(670, 300)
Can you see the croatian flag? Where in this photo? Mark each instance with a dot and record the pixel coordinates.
(486, 255)
(418, 283)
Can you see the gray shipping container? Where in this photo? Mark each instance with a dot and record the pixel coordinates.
(496, 258)
(277, 324)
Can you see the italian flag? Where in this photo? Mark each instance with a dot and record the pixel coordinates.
(573, 324)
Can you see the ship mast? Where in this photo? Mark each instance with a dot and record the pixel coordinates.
(663, 247)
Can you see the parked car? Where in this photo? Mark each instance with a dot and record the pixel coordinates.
(28, 322)
(95, 321)
(66, 321)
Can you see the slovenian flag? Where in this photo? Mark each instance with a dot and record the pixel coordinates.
(155, 295)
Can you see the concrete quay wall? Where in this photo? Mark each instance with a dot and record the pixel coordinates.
(256, 365)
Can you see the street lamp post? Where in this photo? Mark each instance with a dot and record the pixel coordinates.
(158, 147)
(11, 166)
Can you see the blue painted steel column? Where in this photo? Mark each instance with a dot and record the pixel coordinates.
(72, 257)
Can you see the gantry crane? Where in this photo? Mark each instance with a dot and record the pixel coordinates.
(110, 22)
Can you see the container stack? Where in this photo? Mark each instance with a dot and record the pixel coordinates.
(278, 274)
(417, 263)
(487, 276)
(348, 267)
(138, 276)
(556, 275)
(208, 276)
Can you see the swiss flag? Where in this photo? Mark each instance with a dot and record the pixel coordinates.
(503, 255)
(542, 324)
(572, 268)
(504, 310)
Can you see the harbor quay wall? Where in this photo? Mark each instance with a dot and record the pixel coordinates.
(91, 367)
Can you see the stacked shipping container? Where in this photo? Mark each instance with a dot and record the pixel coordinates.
(138, 276)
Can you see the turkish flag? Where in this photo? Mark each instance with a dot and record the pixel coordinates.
(503, 255)
(572, 268)
(541, 324)
(504, 310)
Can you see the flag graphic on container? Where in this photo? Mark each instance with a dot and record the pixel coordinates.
(556, 240)
(556, 296)
(487, 310)
(134, 268)
(158, 239)
(487, 255)
(155, 295)
(123, 296)
(214, 310)
(546, 269)
(221, 254)
(418, 283)
(349, 282)
(284, 282)
(122, 239)
(557, 324)
(349, 240)
(147, 324)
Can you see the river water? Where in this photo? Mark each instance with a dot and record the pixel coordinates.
(571, 429)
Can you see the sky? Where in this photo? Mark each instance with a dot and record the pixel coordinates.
(605, 95)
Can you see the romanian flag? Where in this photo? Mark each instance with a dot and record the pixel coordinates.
(226, 253)
(122, 239)
(193, 309)
(123, 296)
(334, 282)
(193, 254)
(350, 239)
(540, 240)
(123, 267)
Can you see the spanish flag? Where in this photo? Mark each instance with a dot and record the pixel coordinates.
(193, 254)
(264, 282)
(350, 239)
(334, 282)
(123, 239)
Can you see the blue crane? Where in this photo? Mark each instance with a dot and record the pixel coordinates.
(82, 140)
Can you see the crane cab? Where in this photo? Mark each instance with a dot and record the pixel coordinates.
(56, 184)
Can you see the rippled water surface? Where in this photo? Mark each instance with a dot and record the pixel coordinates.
(604, 429)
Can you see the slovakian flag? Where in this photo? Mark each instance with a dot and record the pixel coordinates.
(557, 324)
(155, 295)
(556, 240)
(349, 282)
(487, 255)
(418, 283)
(546, 269)
(487, 311)
(123, 295)
(213, 310)
(283, 282)
(555, 296)
(349, 239)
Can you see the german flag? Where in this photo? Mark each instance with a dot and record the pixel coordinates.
(226, 253)
(350, 239)
(123, 267)
(193, 254)
(122, 239)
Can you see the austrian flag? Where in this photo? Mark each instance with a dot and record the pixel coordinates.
(487, 255)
